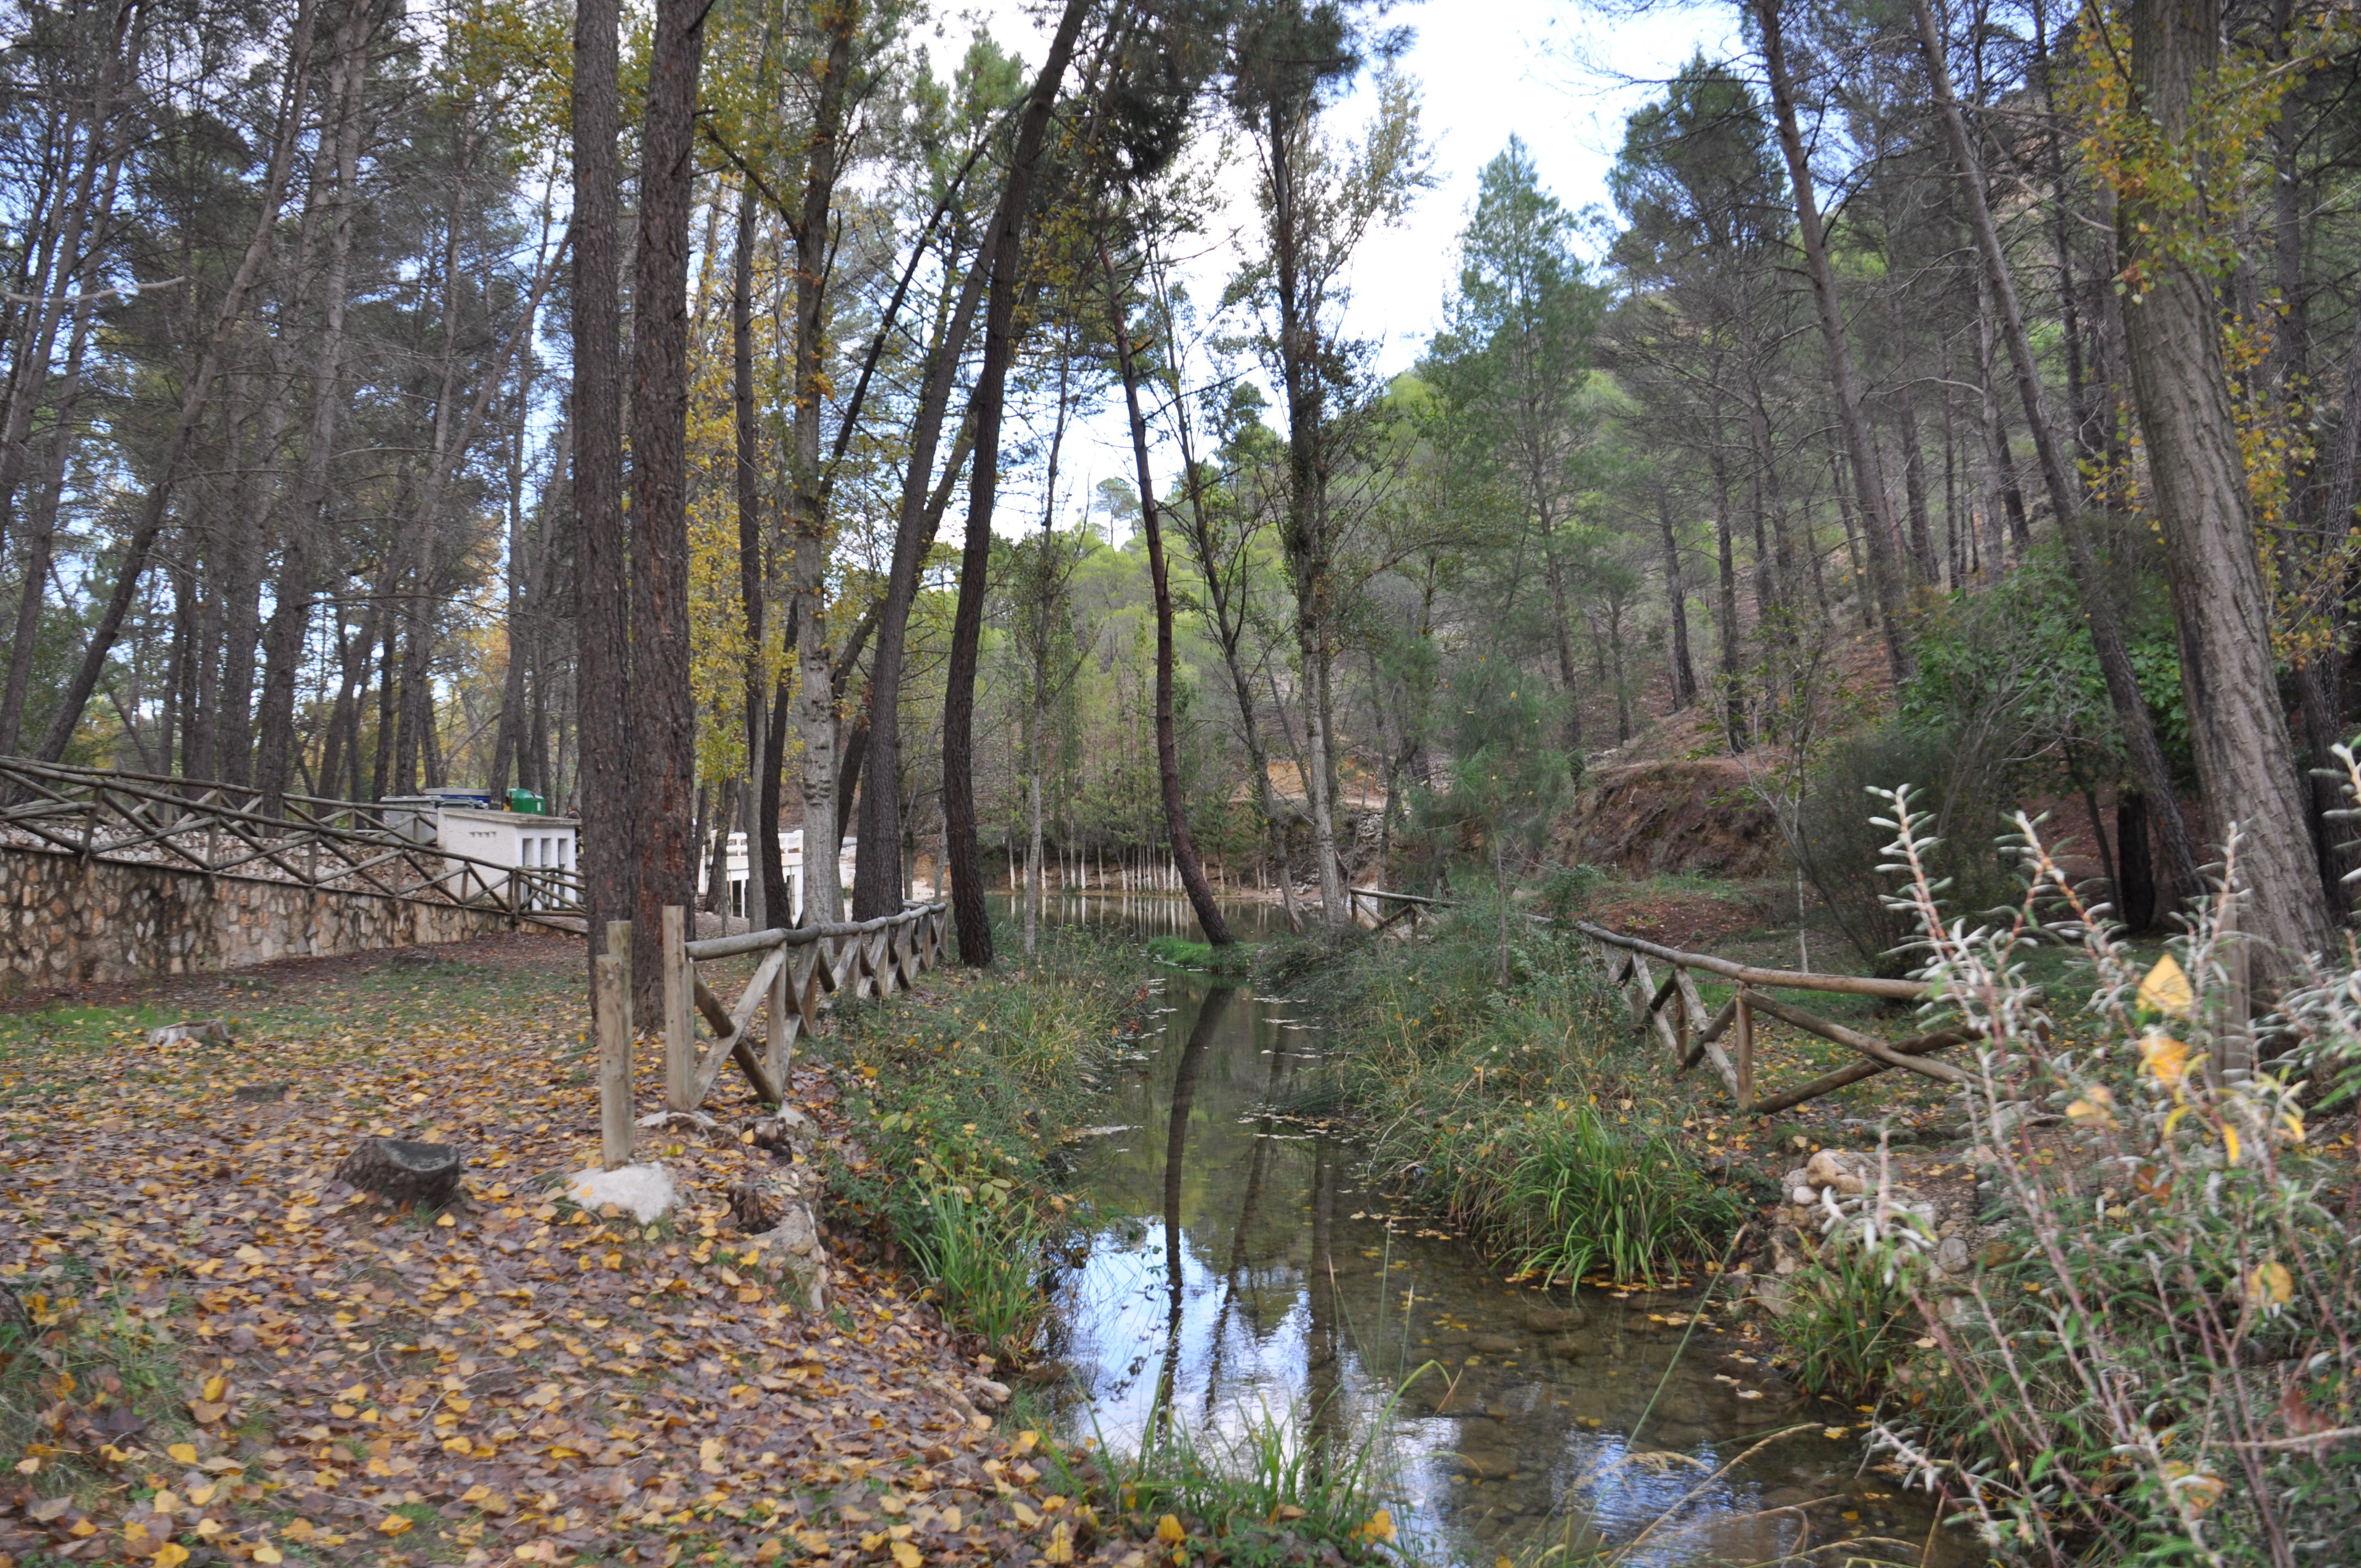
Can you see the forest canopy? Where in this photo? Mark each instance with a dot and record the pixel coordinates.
(674, 411)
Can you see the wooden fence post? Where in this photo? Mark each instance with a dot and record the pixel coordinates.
(1744, 1024)
(679, 999)
(776, 1043)
(612, 988)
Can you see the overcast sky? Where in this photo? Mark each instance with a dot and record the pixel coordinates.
(1556, 74)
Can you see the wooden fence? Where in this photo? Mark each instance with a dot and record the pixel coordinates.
(218, 830)
(1672, 1007)
(868, 957)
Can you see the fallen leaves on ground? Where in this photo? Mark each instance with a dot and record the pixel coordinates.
(240, 1359)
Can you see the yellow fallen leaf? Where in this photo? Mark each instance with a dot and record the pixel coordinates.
(1059, 1551)
(269, 1553)
(908, 1555)
(183, 1452)
(1025, 1516)
(215, 1387)
(207, 1411)
(2096, 1108)
(394, 1524)
(2167, 989)
(2166, 1058)
(1169, 1530)
(171, 1554)
(2269, 1286)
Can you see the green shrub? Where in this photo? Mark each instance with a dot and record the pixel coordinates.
(959, 1102)
(2152, 1376)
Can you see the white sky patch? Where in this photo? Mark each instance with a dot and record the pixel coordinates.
(1559, 76)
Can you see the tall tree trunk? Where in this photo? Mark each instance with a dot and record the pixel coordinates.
(195, 397)
(1305, 522)
(807, 523)
(1868, 472)
(2244, 761)
(1733, 693)
(663, 705)
(1685, 681)
(753, 580)
(1168, 754)
(877, 878)
(970, 917)
(606, 766)
(290, 616)
(2147, 759)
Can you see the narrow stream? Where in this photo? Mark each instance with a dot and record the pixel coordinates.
(1240, 1275)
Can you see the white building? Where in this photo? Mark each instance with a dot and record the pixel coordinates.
(737, 861)
(460, 823)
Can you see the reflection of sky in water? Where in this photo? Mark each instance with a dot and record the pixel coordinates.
(1289, 1305)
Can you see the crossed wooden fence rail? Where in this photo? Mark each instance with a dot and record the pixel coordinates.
(218, 830)
(1673, 1008)
(799, 963)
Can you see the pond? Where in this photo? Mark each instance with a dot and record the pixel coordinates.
(1239, 1273)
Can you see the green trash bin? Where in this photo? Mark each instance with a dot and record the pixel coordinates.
(525, 800)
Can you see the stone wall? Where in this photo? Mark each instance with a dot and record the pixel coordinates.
(64, 922)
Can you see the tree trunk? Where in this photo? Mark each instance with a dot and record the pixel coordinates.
(762, 830)
(290, 616)
(2136, 893)
(1168, 755)
(1685, 681)
(815, 663)
(194, 399)
(970, 917)
(2244, 761)
(1868, 473)
(2147, 759)
(663, 705)
(876, 868)
(602, 588)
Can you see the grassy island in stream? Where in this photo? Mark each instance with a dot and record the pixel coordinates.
(1532, 1114)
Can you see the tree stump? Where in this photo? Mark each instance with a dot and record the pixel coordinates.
(403, 1172)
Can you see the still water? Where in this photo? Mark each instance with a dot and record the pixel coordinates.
(1239, 1273)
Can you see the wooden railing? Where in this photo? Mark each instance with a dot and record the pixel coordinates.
(1674, 1009)
(867, 958)
(211, 830)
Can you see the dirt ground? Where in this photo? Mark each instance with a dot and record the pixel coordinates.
(235, 1357)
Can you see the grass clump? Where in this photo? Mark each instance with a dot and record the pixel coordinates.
(1237, 958)
(1529, 1112)
(982, 1250)
(1586, 1197)
(1848, 1323)
(958, 1105)
(1266, 1487)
